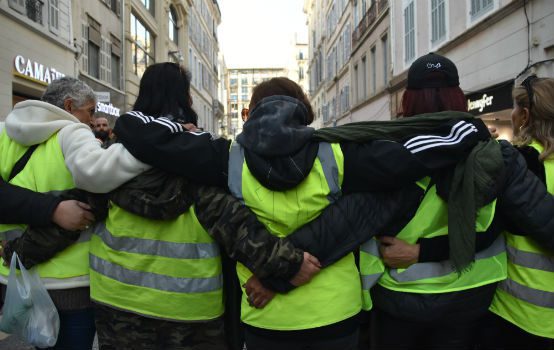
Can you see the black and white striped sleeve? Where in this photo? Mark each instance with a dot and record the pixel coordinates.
(169, 146)
(384, 165)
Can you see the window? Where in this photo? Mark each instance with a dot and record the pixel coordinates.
(373, 71)
(244, 81)
(115, 5)
(116, 62)
(409, 32)
(53, 10)
(363, 78)
(142, 46)
(480, 7)
(93, 47)
(149, 5)
(106, 61)
(116, 71)
(300, 73)
(244, 97)
(33, 9)
(384, 47)
(301, 55)
(233, 81)
(356, 84)
(244, 90)
(233, 97)
(438, 21)
(172, 25)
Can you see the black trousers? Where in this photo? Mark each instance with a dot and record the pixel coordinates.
(259, 341)
(496, 333)
(389, 332)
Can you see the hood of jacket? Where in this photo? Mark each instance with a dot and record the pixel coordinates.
(278, 147)
(32, 122)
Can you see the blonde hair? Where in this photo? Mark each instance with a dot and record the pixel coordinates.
(541, 115)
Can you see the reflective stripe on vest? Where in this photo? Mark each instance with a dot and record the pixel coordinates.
(427, 270)
(331, 296)
(530, 260)
(155, 281)
(325, 155)
(46, 172)
(431, 220)
(526, 297)
(159, 248)
(163, 269)
(371, 270)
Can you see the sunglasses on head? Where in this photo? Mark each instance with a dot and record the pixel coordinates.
(527, 84)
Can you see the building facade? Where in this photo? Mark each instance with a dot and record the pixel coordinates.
(98, 30)
(349, 67)
(182, 31)
(494, 43)
(297, 66)
(36, 47)
(239, 84)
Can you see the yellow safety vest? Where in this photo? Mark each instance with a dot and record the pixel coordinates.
(162, 269)
(431, 220)
(334, 294)
(526, 297)
(45, 172)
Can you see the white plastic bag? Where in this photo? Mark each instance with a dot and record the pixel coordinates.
(28, 309)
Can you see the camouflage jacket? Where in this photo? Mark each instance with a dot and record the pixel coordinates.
(38, 244)
(160, 196)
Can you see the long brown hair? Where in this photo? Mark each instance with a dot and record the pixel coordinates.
(541, 115)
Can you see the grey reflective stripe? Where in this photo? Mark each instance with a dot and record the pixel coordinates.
(330, 170)
(535, 261)
(10, 235)
(154, 280)
(85, 235)
(368, 281)
(371, 247)
(159, 248)
(234, 181)
(530, 295)
(437, 269)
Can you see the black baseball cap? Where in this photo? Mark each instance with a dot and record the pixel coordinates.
(432, 71)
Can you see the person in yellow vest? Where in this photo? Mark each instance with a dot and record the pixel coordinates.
(155, 272)
(67, 155)
(429, 303)
(524, 302)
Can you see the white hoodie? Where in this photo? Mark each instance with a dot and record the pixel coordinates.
(93, 168)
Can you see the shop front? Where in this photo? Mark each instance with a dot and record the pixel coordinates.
(494, 106)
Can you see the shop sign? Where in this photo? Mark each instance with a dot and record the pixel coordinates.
(479, 104)
(107, 108)
(102, 96)
(492, 99)
(32, 70)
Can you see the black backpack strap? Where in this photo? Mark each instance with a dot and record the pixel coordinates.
(22, 162)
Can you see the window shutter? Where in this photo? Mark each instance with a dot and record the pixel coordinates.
(84, 53)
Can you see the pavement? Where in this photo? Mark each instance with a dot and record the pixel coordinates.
(12, 342)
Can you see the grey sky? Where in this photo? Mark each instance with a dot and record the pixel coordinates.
(258, 33)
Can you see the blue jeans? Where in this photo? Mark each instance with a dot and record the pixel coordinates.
(76, 330)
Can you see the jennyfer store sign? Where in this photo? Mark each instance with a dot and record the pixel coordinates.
(36, 71)
(492, 99)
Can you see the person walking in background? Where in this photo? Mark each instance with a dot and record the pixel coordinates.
(103, 131)
(524, 303)
(67, 155)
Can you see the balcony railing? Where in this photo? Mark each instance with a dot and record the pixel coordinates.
(376, 9)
